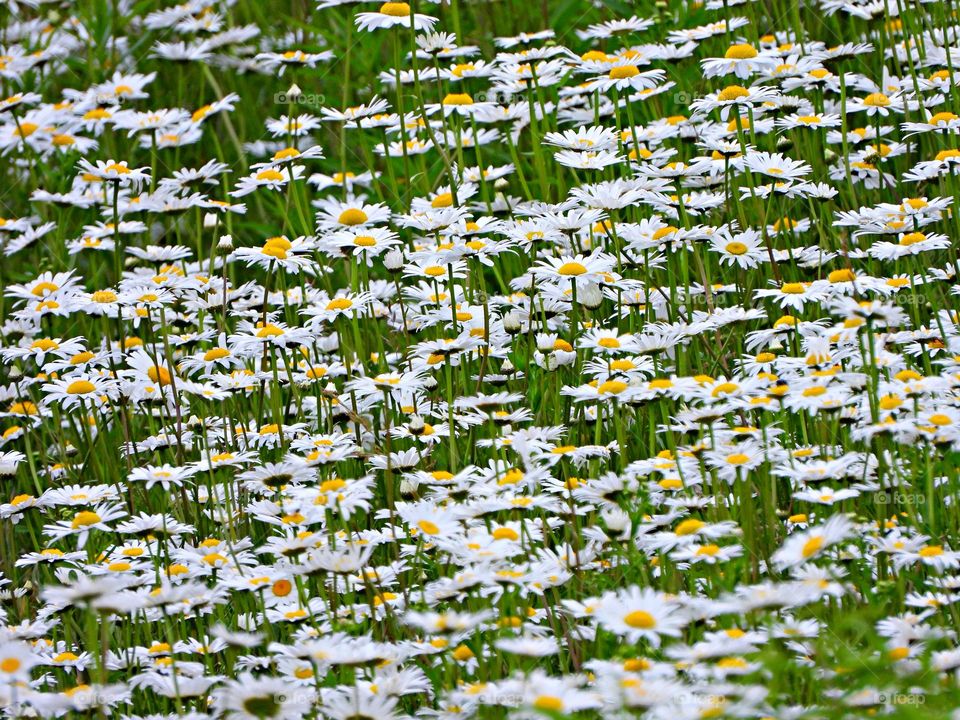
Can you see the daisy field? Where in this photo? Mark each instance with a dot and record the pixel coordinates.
(457, 359)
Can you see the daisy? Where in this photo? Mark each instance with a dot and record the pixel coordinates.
(734, 95)
(84, 522)
(259, 698)
(115, 172)
(774, 165)
(270, 177)
(626, 76)
(744, 249)
(796, 295)
(87, 390)
(338, 215)
(17, 659)
(592, 160)
(297, 58)
(742, 60)
(636, 614)
(577, 268)
(392, 14)
(804, 546)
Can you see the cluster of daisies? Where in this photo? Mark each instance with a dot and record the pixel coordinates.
(352, 371)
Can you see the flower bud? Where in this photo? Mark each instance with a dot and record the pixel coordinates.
(590, 295)
(511, 323)
(615, 519)
(416, 425)
(545, 342)
(393, 260)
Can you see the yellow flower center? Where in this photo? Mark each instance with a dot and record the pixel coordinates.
(395, 9)
(270, 175)
(876, 100)
(44, 288)
(104, 297)
(942, 117)
(26, 129)
(640, 619)
(740, 51)
(572, 269)
(912, 239)
(732, 92)
(839, 276)
(45, 344)
(622, 72)
(80, 387)
(269, 331)
(611, 387)
(352, 216)
(462, 653)
(458, 99)
(812, 546)
(443, 200)
(549, 703)
(159, 375)
(688, 527)
(84, 519)
(736, 248)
